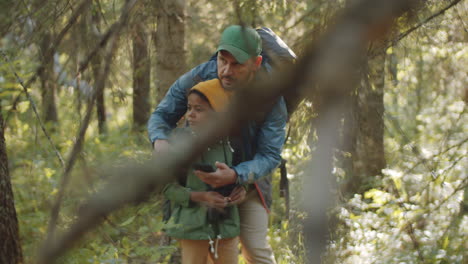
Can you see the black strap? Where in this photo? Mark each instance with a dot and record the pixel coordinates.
(284, 185)
(224, 153)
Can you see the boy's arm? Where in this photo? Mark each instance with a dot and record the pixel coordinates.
(178, 194)
(182, 196)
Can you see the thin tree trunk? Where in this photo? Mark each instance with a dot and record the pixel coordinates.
(48, 84)
(169, 40)
(80, 33)
(96, 62)
(100, 110)
(10, 246)
(141, 77)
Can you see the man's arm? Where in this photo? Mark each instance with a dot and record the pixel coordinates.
(170, 110)
(174, 104)
(270, 140)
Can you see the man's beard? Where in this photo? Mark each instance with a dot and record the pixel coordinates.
(236, 83)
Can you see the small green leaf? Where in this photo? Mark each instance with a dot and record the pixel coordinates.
(128, 221)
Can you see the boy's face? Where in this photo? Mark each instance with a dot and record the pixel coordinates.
(198, 110)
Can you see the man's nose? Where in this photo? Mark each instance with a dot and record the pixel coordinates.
(227, 70)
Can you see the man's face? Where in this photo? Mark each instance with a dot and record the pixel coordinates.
(232, 73)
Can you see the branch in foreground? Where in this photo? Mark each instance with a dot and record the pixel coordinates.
(328, 70)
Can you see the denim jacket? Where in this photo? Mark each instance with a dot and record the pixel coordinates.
(262, 142)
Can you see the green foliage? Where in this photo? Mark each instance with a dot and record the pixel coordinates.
(415, 213)
(130, 234)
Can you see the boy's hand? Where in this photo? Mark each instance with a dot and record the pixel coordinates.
(237, 195)
(222, 176)
(210, 199)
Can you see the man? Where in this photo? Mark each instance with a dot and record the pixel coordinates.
(259, 142)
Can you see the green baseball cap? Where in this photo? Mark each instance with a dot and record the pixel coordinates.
(242, 42)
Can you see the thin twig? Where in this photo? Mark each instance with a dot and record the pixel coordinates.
(77, 147)
(302, 18)
(33, 105)
(452, 127)
(74, 17)
(424, 160)
(414, 148)
(410, 231)
(426, 213)
(50, 52)
(420, 24)
(462, 21)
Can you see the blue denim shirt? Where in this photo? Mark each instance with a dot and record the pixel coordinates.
(266, 139)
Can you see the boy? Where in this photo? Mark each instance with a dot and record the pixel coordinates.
(204, 221)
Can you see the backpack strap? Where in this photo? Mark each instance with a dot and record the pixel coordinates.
(284, 185)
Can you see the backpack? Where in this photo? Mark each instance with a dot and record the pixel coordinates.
(277, 53)
(275, 48)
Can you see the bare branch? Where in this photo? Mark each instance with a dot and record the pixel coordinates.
(74, 17)
(428, 211)
(420, 24)
(81, 8)
(414, 240)
(77, 147)
(34, 107)
(330, 64)
(424, 160)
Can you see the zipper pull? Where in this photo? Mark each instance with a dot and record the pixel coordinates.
(216, 246)
(211, 245)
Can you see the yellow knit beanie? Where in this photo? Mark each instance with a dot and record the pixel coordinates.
(217, 96)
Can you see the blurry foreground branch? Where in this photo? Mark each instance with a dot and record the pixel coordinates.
(327, 73)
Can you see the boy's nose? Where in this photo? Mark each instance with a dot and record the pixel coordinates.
(190, 113)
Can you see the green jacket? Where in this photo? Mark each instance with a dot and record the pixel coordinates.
(191, 220)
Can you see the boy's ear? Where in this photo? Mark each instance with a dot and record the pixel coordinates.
(258, 61)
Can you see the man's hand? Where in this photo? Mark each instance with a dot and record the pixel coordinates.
(222, 176)
(237, 195)
(160, 146)
(210, 199)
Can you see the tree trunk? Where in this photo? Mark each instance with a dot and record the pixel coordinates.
(169, 40)
(48, 84)
(10, 246)
(141, 77)
(96, 62)
(366, 125)
(80, 33)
